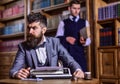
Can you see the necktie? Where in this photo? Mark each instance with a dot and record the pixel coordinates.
(41, 45)
(74, 18)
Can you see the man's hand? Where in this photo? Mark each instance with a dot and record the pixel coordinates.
(82, 40)
(23, 73)
(78, 74)
(70, 40)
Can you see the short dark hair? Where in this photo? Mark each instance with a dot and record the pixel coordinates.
(74, 2)
(37, 17)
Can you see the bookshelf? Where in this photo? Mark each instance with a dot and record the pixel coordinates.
(6, 2)
(12, 18)
(106, 24)
(12, 32)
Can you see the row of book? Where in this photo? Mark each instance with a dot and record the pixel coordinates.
(58, 1)
(12, 29)
(11, 45)
(110, 11)
(107, 37)
(17, 8)
(40, 3)
(46, 3)
(52, 22)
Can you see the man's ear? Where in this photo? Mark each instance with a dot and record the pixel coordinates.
(44, 29)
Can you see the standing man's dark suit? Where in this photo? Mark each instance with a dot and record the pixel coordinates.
(27, 57)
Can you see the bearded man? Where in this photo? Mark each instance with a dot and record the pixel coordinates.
(39, 51)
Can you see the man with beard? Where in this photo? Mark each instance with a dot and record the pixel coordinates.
(39, 51)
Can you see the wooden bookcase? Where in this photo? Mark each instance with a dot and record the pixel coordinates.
(12, 31)
(107, 18)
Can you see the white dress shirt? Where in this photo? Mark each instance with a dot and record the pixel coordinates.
(41, 53)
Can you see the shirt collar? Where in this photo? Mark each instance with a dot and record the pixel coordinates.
(41, 44)
(77, 18)
(71, 18)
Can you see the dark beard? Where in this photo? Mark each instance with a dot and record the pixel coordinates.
(32, 41)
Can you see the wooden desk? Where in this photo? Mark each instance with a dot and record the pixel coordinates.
(52, 81)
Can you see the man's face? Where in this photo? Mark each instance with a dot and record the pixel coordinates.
(34, 29)
(75, 9)
(35, 34)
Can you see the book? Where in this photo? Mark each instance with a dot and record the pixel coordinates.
(84, 32)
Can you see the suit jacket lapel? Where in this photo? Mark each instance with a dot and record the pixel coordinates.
(34, 57)
(48, 51)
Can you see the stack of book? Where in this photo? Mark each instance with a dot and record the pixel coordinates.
(51, 72)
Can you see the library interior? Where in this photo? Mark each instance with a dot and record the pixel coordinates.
(102, 55)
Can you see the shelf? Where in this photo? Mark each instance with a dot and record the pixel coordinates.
(54, 7)
(109, 1)
(2, 2)
(51, 30)
(11, 52)
(106, 21)
(51, 8)
(107, 47)
(12, 35)
(12, 17)
(118, 18)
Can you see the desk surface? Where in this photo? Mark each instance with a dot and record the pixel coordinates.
(52, 81)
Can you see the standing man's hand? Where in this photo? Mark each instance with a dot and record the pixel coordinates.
(23, 73)
(70, 40)
(82, 40)
(78, 74)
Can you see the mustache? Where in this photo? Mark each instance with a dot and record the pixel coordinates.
(33, 41)
(30, 37)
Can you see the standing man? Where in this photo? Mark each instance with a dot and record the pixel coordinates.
(39, 51)
(69, 34)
